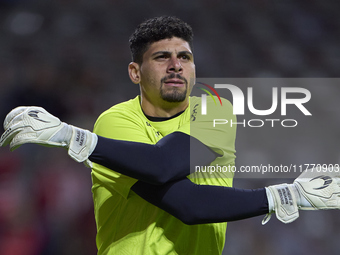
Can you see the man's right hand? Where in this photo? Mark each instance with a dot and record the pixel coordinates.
(31, 124)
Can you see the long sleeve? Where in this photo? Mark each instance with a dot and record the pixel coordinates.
(200, 204)
(167, 160)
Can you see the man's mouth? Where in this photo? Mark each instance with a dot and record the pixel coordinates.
(174, 83)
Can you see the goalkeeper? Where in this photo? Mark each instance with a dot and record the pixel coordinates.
(146, 201)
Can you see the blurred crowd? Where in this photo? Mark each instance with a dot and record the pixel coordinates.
(71, 57)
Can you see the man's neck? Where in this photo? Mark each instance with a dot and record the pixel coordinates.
(166, 110)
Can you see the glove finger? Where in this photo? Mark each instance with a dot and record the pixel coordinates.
(16, 142)
(13, 124)
(14, 146)
(30, 138)
(12, 114)
(9, 134)
(23, 136)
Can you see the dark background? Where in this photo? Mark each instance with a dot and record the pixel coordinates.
(71, 58)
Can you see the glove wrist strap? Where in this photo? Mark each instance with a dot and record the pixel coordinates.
(283, 200)
(82, 144)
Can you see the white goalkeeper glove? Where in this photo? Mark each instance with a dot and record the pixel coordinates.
(35, 125)
(315, 189)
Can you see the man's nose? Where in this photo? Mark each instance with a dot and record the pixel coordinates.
(175, 65)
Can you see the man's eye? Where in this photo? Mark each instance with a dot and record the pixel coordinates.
(161, 57)
(186, 57)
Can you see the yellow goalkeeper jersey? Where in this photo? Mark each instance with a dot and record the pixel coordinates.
(126, 223)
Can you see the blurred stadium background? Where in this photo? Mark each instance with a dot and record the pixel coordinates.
(71, 57)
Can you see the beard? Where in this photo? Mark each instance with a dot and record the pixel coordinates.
(174, 94)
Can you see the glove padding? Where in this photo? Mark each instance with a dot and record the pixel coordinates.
(35, 125)
(315, 189)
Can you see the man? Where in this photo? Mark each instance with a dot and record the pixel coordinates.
(145, 199)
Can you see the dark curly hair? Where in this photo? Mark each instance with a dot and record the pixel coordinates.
(156, 29)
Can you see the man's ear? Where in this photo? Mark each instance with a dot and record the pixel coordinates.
(134, 72)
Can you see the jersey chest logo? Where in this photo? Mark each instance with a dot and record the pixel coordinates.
(157, 133)
(194, 113)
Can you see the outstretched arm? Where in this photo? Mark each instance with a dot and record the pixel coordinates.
(200, 204)
(171, 156)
